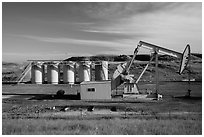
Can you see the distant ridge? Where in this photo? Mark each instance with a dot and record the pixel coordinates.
(197, 55)
(140, 57)
(9, 64)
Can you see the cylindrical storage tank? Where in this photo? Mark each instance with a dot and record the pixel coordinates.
(60, 72)
(69, 72)
(84, 71)
(52, 73)
(37, 73)
(101, 71)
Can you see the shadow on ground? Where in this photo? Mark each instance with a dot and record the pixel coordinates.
(44, 96)
(188, 98)
(52, 97)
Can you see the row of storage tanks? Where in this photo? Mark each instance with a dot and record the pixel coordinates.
(50, 72)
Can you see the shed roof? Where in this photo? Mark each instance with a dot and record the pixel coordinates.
(95, 82)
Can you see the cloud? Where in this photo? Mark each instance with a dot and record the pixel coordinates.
(173, 25)
(88, 47)
(116, 32)
(143, 20)
(62, 40)
(104, 31)
(100, 11)
(105, 27)
(75, 41)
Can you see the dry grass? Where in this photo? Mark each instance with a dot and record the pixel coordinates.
(102, 127)
(18, 111)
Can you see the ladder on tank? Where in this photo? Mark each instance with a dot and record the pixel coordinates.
(25, 72)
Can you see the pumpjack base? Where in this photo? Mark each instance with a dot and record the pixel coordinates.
(153, 96)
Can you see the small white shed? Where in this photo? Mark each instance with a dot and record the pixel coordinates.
(93, 90)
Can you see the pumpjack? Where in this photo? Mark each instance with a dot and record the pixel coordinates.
(122, 73)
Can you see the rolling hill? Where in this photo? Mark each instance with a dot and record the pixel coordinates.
(168, 66)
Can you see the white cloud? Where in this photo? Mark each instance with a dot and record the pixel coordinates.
(104, 31)
(172, 29)
(116, 44)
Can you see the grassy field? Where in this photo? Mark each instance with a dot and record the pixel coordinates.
(114, 126)
(26, 114)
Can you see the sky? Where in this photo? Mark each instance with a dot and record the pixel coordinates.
(58, 30)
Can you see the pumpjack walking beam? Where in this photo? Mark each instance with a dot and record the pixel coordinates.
(161, 49)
